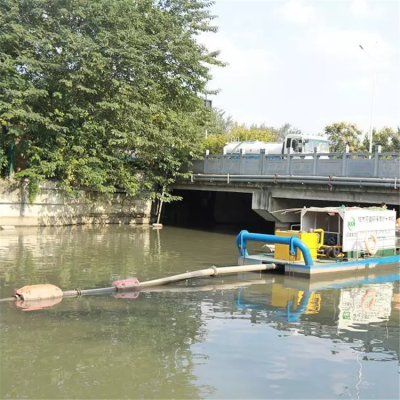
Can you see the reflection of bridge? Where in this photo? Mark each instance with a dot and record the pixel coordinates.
(287, 181)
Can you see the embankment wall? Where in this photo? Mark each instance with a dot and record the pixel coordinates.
(53, 207)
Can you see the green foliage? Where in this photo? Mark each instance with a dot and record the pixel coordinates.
(215, 143)
(241, 132)
(338, 133)
(3, 159)
(218, 123)
(342, 133)
(387, 137)
(286, 129)
(395, 142)
(84, 82)
(222, 130)
(278, 133)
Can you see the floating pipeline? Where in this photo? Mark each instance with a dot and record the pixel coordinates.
(37, 297)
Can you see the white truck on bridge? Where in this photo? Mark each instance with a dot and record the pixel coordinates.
(293, 144)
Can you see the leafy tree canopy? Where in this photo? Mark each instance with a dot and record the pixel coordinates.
(387, 137)
(239, 132)
(85, 83)
(218, 123)
(286, 129)
(341, 134)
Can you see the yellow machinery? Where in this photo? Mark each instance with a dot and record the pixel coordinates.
(314, 240)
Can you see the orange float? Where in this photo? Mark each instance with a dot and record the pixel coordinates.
(38, 292)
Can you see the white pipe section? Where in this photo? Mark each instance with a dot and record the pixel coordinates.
(212, 271)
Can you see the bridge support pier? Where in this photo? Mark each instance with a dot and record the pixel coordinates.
(284, 226)
(265, 205)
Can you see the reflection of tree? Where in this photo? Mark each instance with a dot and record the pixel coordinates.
(18, 265)
(104, 348)
(67, 256)
(93, 256)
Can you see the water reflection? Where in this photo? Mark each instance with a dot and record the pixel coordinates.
(92, 256)
(323, 346)
(349, 313)
(251, 336)
(113, 348)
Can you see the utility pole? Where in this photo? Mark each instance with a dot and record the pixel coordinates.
(372, 98)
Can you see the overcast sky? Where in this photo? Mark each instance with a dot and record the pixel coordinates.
(299, 61)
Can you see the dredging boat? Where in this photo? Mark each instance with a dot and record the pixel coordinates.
(330, 240)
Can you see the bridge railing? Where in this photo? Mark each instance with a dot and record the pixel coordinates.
(366, 165)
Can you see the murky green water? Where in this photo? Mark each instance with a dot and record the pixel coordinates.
(252, 336)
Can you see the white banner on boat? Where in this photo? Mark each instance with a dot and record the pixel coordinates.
(360, 224)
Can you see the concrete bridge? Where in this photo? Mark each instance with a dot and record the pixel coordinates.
(291, 181)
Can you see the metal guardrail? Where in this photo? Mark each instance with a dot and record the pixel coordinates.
(393, 183)
(349, 165)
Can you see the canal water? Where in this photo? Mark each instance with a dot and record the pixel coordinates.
(253, 336)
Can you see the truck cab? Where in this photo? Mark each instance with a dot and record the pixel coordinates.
(301, 144)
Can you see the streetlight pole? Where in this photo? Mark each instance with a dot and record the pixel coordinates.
(207, 104)
(372, 98)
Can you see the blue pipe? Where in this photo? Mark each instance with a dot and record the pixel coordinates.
(293, 242)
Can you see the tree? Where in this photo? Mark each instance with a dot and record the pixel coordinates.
(218, 123)
(235, 131)
(341, 134)
(278, 133)
(286, 129)
(239, 132)
(396, 140)
(387, 137)
(83, 83)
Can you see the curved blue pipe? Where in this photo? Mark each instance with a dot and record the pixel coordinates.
(293, 242)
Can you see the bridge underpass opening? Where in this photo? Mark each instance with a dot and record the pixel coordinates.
(237, 210)
(227, 211)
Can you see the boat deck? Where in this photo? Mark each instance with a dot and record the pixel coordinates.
(323, 266)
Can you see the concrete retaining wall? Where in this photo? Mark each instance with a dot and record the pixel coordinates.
(54, 207)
